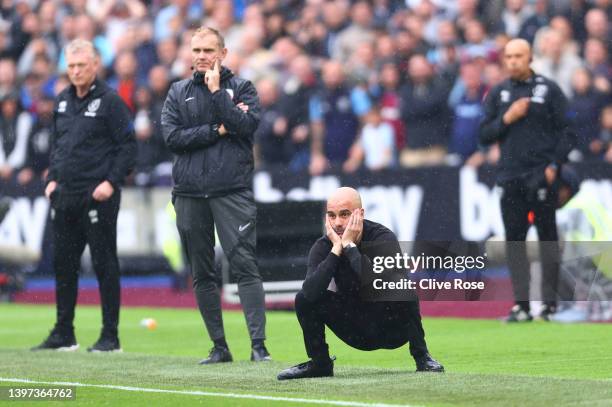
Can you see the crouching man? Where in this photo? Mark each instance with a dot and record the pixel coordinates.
(331, 296)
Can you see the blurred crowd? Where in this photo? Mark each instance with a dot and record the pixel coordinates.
(351, 85)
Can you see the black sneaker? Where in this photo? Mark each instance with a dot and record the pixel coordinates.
(106, 344)
(426, 363)
(518, 314)
(57, 340)
(547, 312)
(260, 354)
(308, 369)
(217, 355)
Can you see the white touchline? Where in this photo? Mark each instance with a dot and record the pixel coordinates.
(206, 393)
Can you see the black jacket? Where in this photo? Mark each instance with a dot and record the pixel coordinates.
(93, 139)
(206, 164)
(544, 136)
(323, 265)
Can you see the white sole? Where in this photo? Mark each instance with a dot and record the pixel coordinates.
(106, 351)
(72, 348)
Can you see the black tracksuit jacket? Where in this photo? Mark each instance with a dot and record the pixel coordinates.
(206, 164)
(544, 136)
(93, 139)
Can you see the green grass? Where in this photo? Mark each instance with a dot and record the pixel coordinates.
(487, 363)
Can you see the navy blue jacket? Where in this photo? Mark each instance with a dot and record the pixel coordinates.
(544, 136)
(93, 139)
(206, 164)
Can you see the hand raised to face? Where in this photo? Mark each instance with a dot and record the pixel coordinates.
(212, 78)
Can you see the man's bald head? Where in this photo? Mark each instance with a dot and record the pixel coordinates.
(517, 44)
(345, 196)
(517, 57)
(340, 206)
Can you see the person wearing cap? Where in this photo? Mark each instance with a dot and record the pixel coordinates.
(93, 150)
(208, 123)
(527, 115)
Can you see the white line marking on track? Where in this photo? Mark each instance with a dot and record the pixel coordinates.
(206, 393)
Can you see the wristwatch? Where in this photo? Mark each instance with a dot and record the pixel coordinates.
(215, 129)
(349, 245)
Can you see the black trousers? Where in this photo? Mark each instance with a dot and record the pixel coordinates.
(79, 220)
(234, 216)
(362, 325)
(518, 198)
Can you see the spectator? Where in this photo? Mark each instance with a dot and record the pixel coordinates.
(385, 49)
(171, 18)
(390, 103)
(15, 126)
(555, 62)
(597, 26)
(477, 44)
(335, 18)
(8, 77)
(124, 81)
(334, 113)
(273, 145)
(39, 142)
(596, 61)
(537, 20)
(358, 32)
(466, 102)
(375, 146)
(514, 15)
(585, 107)
(295, 98)
(425, 114)
(603, 145)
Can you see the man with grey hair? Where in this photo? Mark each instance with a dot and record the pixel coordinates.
(93, 149)
(208, 122)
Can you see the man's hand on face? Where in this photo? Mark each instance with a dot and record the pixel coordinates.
(354, 228)
(333, 236)
(212, 78)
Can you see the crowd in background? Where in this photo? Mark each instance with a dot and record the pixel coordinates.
(351, 85)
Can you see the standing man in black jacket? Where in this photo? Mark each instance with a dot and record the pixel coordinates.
(93, 150)
(208, 123)
(331, 294)
(527, 115)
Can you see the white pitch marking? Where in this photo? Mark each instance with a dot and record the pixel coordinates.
(206, 393)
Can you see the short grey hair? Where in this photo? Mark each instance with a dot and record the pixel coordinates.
(80, 45)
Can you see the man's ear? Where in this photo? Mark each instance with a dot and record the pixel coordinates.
(223, 54)
(362, 211)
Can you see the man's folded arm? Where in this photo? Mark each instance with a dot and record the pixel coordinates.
(178, 138)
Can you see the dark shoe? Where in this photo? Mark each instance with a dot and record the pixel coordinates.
(260, 354)
(106, 344)
(426, 363)
(217, 355)
(308, 369)
(59, 341)
(518, 314)
(547, 312)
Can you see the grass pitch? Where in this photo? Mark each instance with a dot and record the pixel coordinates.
(487, 363)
